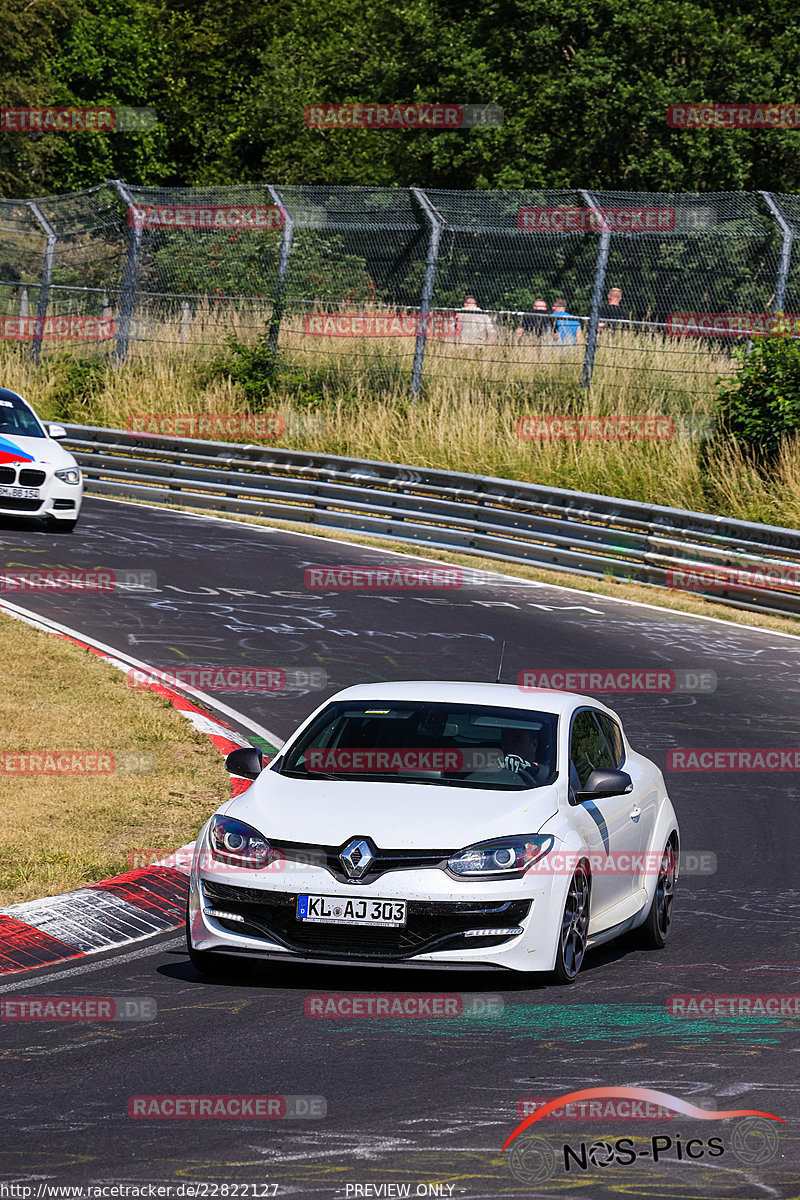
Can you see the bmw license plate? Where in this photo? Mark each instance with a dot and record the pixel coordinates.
(20, 493)
(333, 910)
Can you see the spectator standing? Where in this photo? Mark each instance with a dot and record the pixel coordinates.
(612, 312)
(536, 326)
(568, 330)
(477, 327)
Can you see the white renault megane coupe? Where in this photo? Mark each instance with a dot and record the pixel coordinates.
(438, 825)
(38, 478)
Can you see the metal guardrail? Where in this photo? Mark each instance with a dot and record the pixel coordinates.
(549, 528)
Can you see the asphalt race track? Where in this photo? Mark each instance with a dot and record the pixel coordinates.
(425, 1102)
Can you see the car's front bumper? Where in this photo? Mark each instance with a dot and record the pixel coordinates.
(447, 920)
(56, 499)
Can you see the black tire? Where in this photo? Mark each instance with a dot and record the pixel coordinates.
(574, 930)
(57, 526)
(652, 935)
(211, 963)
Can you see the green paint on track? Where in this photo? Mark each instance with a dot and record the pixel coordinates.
(582, 1023)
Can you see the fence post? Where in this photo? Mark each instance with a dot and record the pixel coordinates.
(46, 279)
(597, 292)
(186, 320)
(131, 270)
(279, 305)
(786, 250)
(435, 223)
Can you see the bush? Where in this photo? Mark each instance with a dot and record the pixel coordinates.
(251, 367)
(761, 407)
(75, 388)
(265, 376)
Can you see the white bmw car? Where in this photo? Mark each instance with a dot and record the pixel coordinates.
(438, 825)
(38, 478)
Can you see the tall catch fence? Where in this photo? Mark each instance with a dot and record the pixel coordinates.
(408, 285)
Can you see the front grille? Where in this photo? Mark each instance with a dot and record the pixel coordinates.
(430, 925)
(8, 474)
(28, 478)
(384, 860)
(12, 502)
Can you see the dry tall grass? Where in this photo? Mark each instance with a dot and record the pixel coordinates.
(350, 396)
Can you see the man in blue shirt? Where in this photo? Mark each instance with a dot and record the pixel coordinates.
(568, 327)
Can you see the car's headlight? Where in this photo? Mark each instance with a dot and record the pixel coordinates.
(69, 475)
(502, 856)
(239, 845)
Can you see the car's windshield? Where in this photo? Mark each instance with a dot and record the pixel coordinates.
(460, 745)
(17, 418)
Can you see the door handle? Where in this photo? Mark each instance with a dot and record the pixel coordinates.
(635, 813)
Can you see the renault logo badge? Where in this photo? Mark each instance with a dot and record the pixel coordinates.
(356, 857)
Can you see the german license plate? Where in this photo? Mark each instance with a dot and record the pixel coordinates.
(333, 910)
(20, 493)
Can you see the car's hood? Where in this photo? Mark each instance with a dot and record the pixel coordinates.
(34, 450)
(395, 816)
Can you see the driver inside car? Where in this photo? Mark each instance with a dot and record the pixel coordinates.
(516, 760)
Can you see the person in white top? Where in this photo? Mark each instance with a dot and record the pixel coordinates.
(477, 327)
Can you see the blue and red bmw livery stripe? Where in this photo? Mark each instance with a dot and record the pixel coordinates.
(9, 452)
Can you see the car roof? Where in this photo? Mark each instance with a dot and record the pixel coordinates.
(499, 695)
(7, 394)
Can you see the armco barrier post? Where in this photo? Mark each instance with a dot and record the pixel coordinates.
(786, 250)
(435, 223)
(46, 279)
(130, 272)
(280, 280)
(597, 292)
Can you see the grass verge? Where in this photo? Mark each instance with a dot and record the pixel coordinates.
(63, 831)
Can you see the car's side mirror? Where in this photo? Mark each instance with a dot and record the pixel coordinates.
(245, 762)
(604, 782)
(57, 432)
